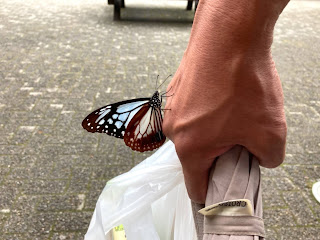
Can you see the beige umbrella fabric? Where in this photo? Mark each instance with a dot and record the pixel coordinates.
(234, 203)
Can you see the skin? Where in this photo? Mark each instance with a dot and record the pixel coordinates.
(227, 90)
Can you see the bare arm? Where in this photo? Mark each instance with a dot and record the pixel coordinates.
(227, 90)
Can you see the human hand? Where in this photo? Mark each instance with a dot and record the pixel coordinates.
(227, 90)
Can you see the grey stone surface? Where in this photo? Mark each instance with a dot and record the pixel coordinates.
(61, 59)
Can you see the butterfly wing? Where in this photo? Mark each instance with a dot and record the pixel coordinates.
(113, 119)
(144, 132)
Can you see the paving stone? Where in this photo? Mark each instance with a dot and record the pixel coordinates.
(271, 234)
(61, 203)
(294, 158)
(80, 180)
(72, 221)
(267, 183)
(300, 209)
(124, 155)
(284, 184)
(295, 148)
(273, 199)
(110, 172)
(313, 172)
(88, 138)
(3, 218)
(23, 134)
(34, 171)
(313, 159)
(274, 172)
(67, 236)
(10, 149)
(60, 171)
(34, 224)
(107, 147)
(278, 217)
(311, 233)
(25, 203)
(13, 237)
(93, 160)
(96, 187)
(298, 176)
(8, 194)
(40, 186)
(4, 171)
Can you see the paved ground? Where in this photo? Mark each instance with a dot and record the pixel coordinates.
(61, 59)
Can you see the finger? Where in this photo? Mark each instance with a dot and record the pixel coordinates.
(196, 167)
(196, 179)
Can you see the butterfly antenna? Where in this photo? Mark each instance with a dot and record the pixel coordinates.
(157, 81)
(164, 81)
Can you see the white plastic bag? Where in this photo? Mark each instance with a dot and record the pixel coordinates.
(150, 201)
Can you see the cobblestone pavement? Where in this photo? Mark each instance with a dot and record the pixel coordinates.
(61, 59)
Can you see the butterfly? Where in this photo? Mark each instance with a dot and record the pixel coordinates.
(137, 121)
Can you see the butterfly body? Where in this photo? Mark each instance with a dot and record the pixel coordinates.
(137, 121)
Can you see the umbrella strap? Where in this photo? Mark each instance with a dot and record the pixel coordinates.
(234, 225)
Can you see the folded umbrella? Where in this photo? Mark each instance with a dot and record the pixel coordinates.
(233, 208)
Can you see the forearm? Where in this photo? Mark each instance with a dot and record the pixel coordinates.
(229, 27)
(230, 45)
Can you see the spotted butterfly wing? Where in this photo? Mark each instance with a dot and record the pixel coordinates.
(137, 121)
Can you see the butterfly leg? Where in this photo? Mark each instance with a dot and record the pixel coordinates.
(168, 95)
(164, 94)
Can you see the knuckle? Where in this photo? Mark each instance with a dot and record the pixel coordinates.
(167, 126)
(185, 147)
